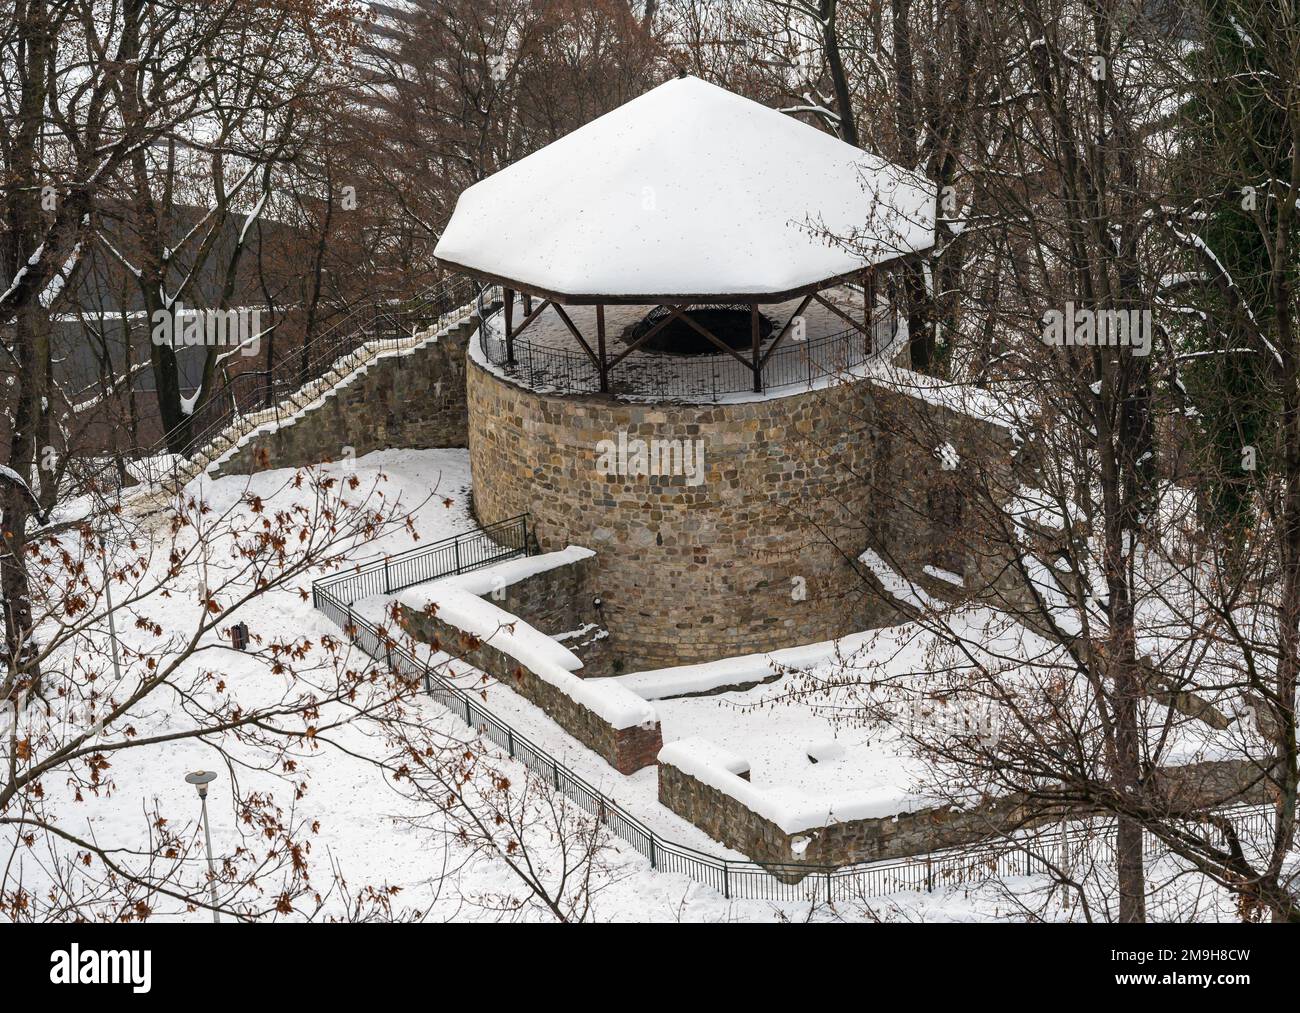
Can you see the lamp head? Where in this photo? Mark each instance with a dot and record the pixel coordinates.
(201, 779)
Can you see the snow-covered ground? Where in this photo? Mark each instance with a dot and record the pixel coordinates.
(363, 828)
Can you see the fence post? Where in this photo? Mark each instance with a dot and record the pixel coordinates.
(388, 588)
(828, 886)
(726, 879)
(510, 741)
(456, 545)
(869, 308)
(653, 863)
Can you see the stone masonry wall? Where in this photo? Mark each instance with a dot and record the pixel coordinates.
(560, 601)
(414, 400)
(553, 601)
(625, 749)
(758, 555)
(731, 822)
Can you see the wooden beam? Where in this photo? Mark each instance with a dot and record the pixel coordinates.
(857, 324)
(869, 307)
(536, 312)
(509, 296)
(669, 298)
(643, 339)
(785, 330)
(717, 341)
(559, 310)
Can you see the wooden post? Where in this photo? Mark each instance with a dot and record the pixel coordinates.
(600, 347)
(510, 324)
(755, 341)
(869, 307)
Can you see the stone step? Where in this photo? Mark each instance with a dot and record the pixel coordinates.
(455, 324)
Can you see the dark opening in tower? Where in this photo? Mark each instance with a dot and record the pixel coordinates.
(730, 324)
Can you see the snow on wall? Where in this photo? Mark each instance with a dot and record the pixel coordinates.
(994, 407)
(431, 336)
(512, 571)
(898, 586)
(708, 764)
(456, 601)
(741, 670)
(698, 750)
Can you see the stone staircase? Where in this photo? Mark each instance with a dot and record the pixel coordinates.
(169, 478)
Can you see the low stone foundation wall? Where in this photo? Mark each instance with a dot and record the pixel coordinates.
(626, 749)
(729, 820)
(562, 601)
(554, 600)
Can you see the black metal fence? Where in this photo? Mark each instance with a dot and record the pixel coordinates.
(794, 364)
(473, 550)
(1032, 851)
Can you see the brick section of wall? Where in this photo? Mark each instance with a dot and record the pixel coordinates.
(414, 400)
(625, 749)
(760, 554)
(732, 823)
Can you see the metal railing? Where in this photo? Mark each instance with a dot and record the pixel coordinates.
(794, 364)
(1030, 852)
(462, 553)
(249, 392)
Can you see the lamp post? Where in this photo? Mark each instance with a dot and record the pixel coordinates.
(112, 625)
(201, 779)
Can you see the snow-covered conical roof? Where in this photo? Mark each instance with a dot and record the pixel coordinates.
(688, 193)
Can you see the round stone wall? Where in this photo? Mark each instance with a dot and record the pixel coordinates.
(744, 553)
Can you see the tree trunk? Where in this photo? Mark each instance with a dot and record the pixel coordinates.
(31, 352)
(839, 77)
